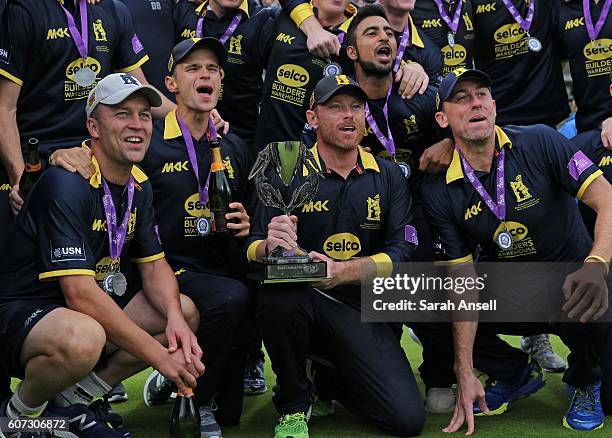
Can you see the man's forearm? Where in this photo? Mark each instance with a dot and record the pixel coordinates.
(356, 270)
(464, 333)
(10, 146)
(160, 286)
(602, 244)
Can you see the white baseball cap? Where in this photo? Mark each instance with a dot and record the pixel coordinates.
(117, 87)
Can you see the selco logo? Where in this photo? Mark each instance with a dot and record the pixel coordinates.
(104, 266)
(454, 55)
(517, 230)
(292, 75)
(195, 208)
(80, 63)
(509, 33)
(598, 50)
(342, 246)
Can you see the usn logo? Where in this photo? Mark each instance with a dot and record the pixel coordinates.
(292, 75)
(67, 253)
(342, 246)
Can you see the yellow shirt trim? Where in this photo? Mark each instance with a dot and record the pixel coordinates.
(11, 77)
(148, 259)
(301, 13)
(65, 273)
(415, 39)
(384, 265)
(367, 159)
(587, 182)
(96, 179)
(458, 261)
(244, 7)
(252, 250)
(133, 66)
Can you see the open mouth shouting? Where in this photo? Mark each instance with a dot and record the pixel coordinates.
(383, 53)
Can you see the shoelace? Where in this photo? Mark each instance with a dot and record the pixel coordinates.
(292, 419)
(584, 400)
(100, 408)
(542, 346)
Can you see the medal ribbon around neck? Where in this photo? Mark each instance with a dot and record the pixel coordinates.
(116, 235)
(594, 31)
(453, 24)
(499, 208)
(228, 32)
(80, 39)
(402, 47)
(387, 142)
(526, 22)
(193, 159)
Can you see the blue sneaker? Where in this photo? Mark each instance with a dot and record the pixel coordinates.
(6, 434)
(585, 412)
(501, 394)
(254, 378)
(82, 423)
(105, 414)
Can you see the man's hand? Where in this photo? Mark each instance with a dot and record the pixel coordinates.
(15, 200)
(606, 133)
(282, 231)
(412, 79)
(334, 271)
(243, 226)
(469, 389)
(180, 335)
(320, 43)
(437, 157)
(76, 159)
(586, 292)
(174, 367)
(220, 124)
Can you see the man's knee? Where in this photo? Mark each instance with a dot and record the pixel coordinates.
(405, 422)
(235, 301)
(190, 312)
(279, 306)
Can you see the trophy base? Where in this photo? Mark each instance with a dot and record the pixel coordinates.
(294, 271)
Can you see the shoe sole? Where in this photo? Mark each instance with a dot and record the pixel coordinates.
(555, 370)
(255, 391)
(290, 436)
(568, 426)
(118, 398)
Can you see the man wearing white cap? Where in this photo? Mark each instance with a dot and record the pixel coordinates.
(61, 288)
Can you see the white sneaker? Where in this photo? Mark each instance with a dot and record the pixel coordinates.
(441, 400)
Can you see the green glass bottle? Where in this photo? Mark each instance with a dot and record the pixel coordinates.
(185, 419)
(219, 192)
(33, 169)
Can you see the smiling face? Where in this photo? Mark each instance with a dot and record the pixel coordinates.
(375, 47)
(470, 112)
(123, 131)
(340, 122)
(196, 81)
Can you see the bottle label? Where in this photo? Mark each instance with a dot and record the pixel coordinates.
(216, 167)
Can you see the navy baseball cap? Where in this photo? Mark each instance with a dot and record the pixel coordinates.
(185, 47)
(331, 85)
(445, 90)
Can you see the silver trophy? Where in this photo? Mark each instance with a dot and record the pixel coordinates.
(288, 158)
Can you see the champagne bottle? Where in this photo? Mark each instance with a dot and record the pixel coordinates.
(219, 192)
(185, 419)
(33, 169)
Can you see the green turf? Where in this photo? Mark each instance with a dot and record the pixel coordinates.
(537, 416)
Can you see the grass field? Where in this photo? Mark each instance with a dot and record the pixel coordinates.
(537, 416)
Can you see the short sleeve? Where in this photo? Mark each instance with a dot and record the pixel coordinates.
(570, 167)
(129, 53)
(439, 214)
(146, 245)
(60, 209)
(15, 43)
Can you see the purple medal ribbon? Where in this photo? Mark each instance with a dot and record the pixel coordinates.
(80, 39)
(387, 142)
(116, 235)
(594, 31)
(228, 32)
(193, 159)
(402, 47)
(499, 208)
(453, 24)
(524, 23)
(341, 36)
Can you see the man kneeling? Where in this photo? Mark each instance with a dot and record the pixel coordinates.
(63, 332)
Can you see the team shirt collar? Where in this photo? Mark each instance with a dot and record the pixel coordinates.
(96, 179)
(365, 160)
(172, 129)
(455, 170)
(415, 39)
(244, 7)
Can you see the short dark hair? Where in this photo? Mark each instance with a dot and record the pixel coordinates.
(363, 13)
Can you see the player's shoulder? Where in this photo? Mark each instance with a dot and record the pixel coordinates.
(532, 136)
(233, 144)
(588, 139)
(58, 183)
